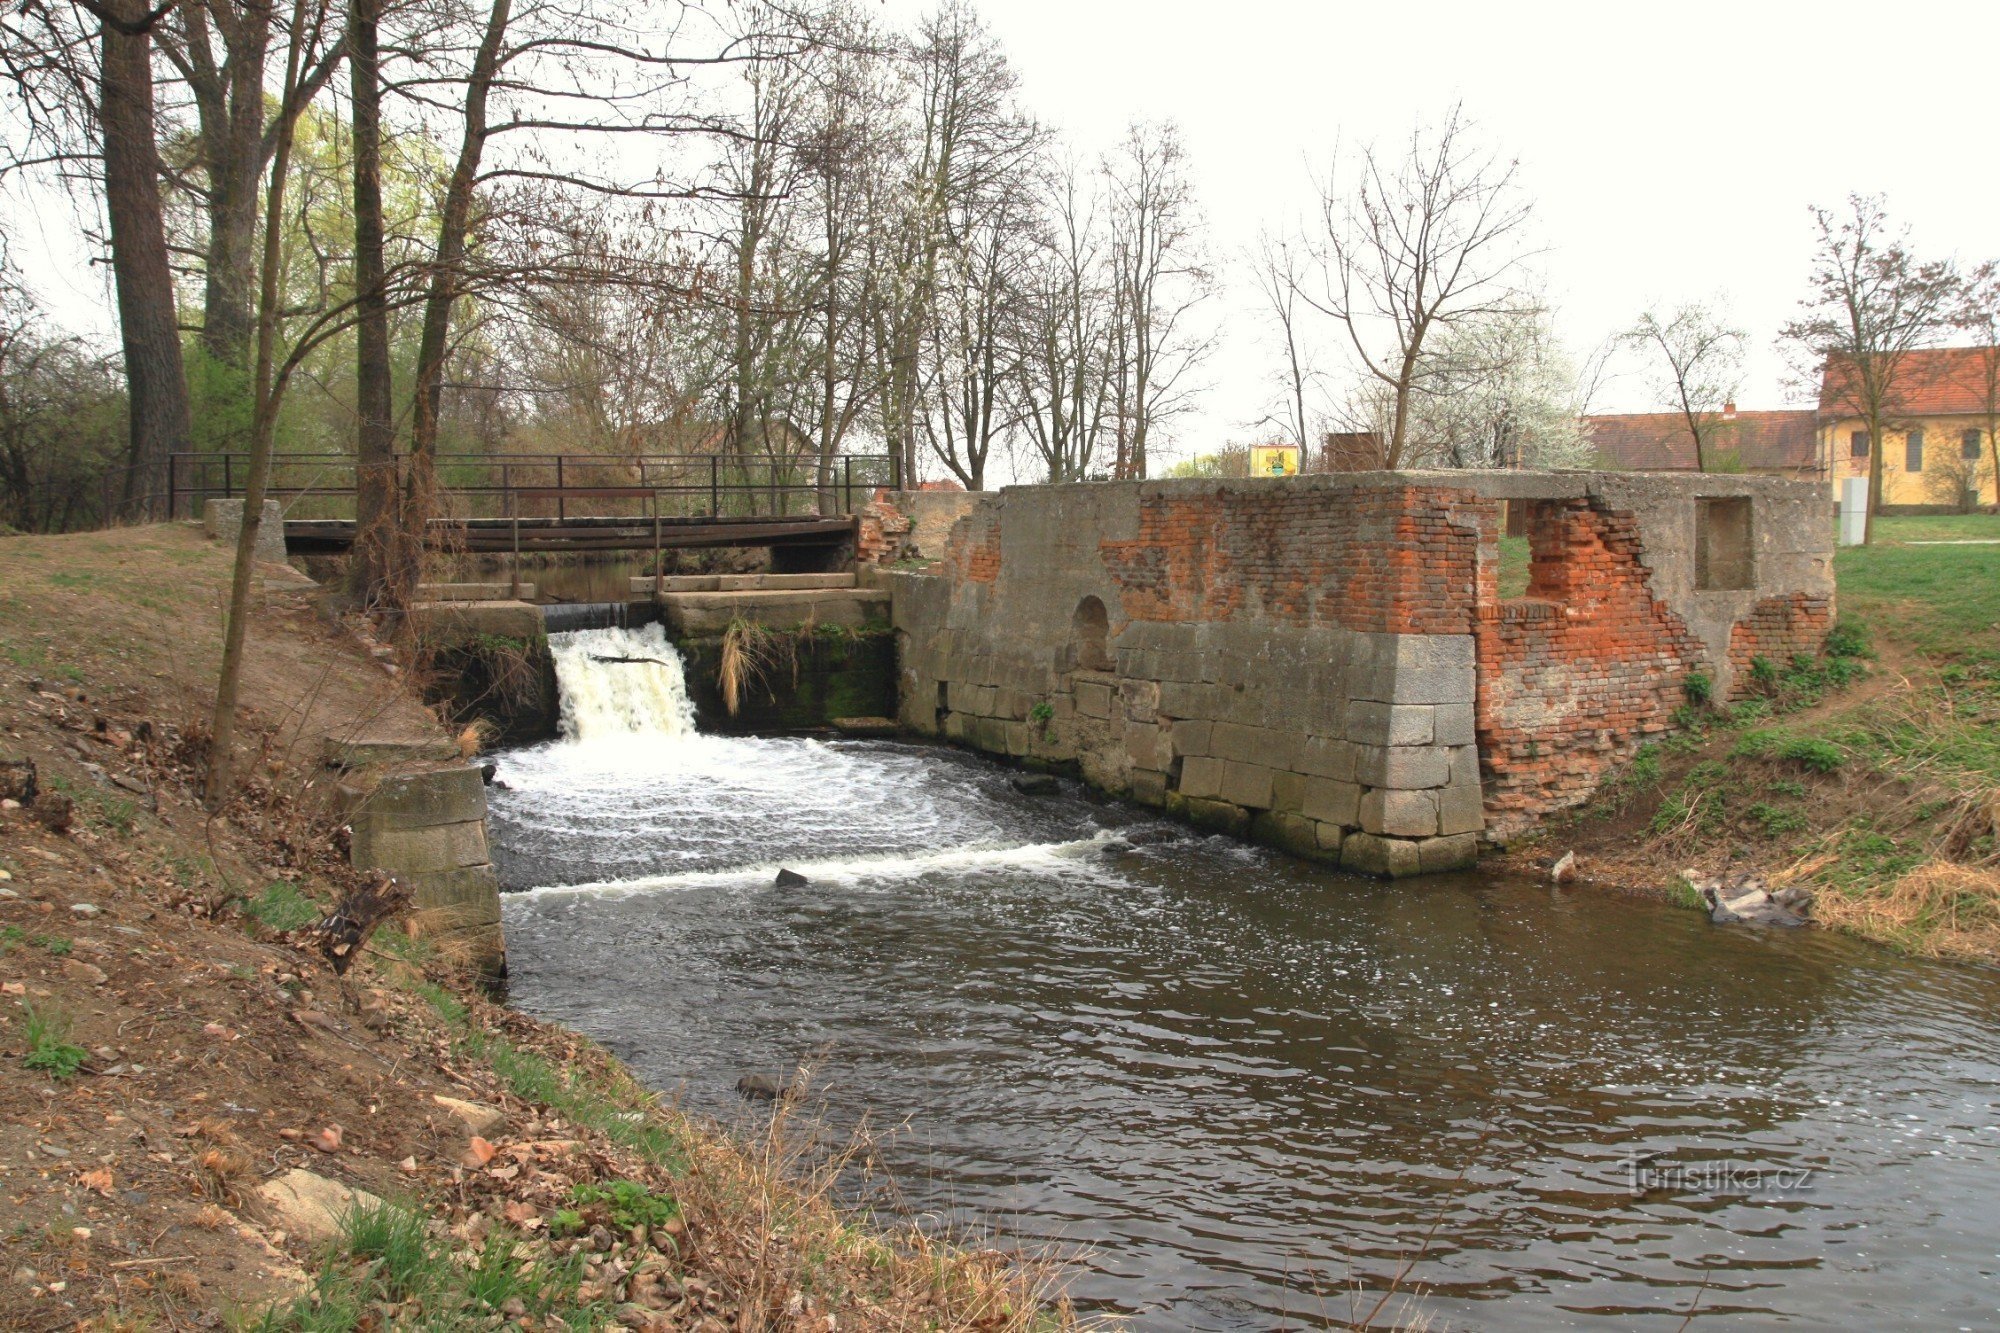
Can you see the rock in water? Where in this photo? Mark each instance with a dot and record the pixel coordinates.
(1036, 784)
(791, 879)
(487, 772)
(1564, 869)
(761, 1088)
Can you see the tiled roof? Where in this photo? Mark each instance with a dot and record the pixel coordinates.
(1661, 441)
(1930, 382)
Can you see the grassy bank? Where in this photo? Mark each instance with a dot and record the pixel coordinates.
(1871, 774)
(174, 1046)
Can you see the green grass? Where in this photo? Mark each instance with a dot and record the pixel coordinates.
(282, 907)
(59, 945)
(1938, 528)
(387, 1253)
(1514, 560)
(46, 1030)
(612, 1112)
(1942, 601)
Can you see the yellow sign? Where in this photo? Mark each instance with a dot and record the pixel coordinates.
(1274, 460)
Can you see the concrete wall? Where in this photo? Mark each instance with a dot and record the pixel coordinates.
(222, 520)
(910, 525)
(1325, 663)
(428, 828)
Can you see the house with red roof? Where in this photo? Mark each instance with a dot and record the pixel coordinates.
(1776, 443)
(1938, 439)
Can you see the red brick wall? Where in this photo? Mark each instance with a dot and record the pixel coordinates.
(974, 548)
(880, 528)
(1399, 559)
(1576, 674)
(1777, 628)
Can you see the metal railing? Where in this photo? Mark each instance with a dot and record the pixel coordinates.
(558, 486)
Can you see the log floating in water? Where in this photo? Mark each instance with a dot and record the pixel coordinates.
(615, 661)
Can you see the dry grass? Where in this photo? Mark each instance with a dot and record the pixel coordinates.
(1939, 910)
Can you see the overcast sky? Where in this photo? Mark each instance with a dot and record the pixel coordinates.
(1671, 149)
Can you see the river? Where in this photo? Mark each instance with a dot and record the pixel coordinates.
(1233, 1087)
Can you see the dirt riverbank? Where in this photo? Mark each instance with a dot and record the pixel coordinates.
(197, 1116)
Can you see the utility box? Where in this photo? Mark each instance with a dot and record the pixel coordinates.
(1853, 511)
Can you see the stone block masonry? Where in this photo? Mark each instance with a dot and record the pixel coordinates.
(1326, 664)
(428, 828)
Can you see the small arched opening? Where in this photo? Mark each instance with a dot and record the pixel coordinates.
(1090, 631)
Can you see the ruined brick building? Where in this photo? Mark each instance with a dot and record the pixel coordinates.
(1330, 663)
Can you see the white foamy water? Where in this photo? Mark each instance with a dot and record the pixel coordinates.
(621, 683)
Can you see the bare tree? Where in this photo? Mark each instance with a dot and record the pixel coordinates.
(1422, 242)
(1060, 368)
(1979, 315)
(1159, 280)
(1279, 266)
(1870, 302)
(1697, 366)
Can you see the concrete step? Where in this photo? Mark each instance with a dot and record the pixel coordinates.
(473, 592)
(643, 587)
(702, 613)
(453, 621)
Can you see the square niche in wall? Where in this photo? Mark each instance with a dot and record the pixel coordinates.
(1724, 557)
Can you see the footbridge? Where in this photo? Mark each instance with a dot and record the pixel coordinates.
(802, 509)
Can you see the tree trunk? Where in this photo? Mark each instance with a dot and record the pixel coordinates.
(159, 420)
(222, 734)
(234, 159)
(446, 283)
(374, 441)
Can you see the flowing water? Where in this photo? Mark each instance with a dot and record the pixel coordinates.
(1236, 1085)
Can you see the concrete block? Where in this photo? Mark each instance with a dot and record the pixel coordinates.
(1219, 816)
(1435, 685)
(1141, 699)
(1149, 788)
(1461, 809)
(1093, 698)
(1330, 837)
(1247, 785)
(1288, 833)
(1374, 855)
(1332, 801)
(418, 800)
(1288, 791)
(1201, 778)
(1186, 700)
(1148, 746)
(703, 613)
(1458, 852)
(222, 520)
(1373, 723)
(1465, 766)
(446, 622)
(1402, 766)
(1254, 745)
(1404, 814)
(470, 895)
(1327, 757)
(419, 850)
(1452, 724)
(367, 751)
(988, 734)
(1191, 737)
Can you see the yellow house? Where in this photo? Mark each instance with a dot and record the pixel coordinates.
(1937, 447)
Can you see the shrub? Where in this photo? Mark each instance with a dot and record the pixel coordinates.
(1698, 688)
(629, 1203)
(1847, 639)
(1811, 752)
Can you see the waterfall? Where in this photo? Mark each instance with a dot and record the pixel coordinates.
(621, 682)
